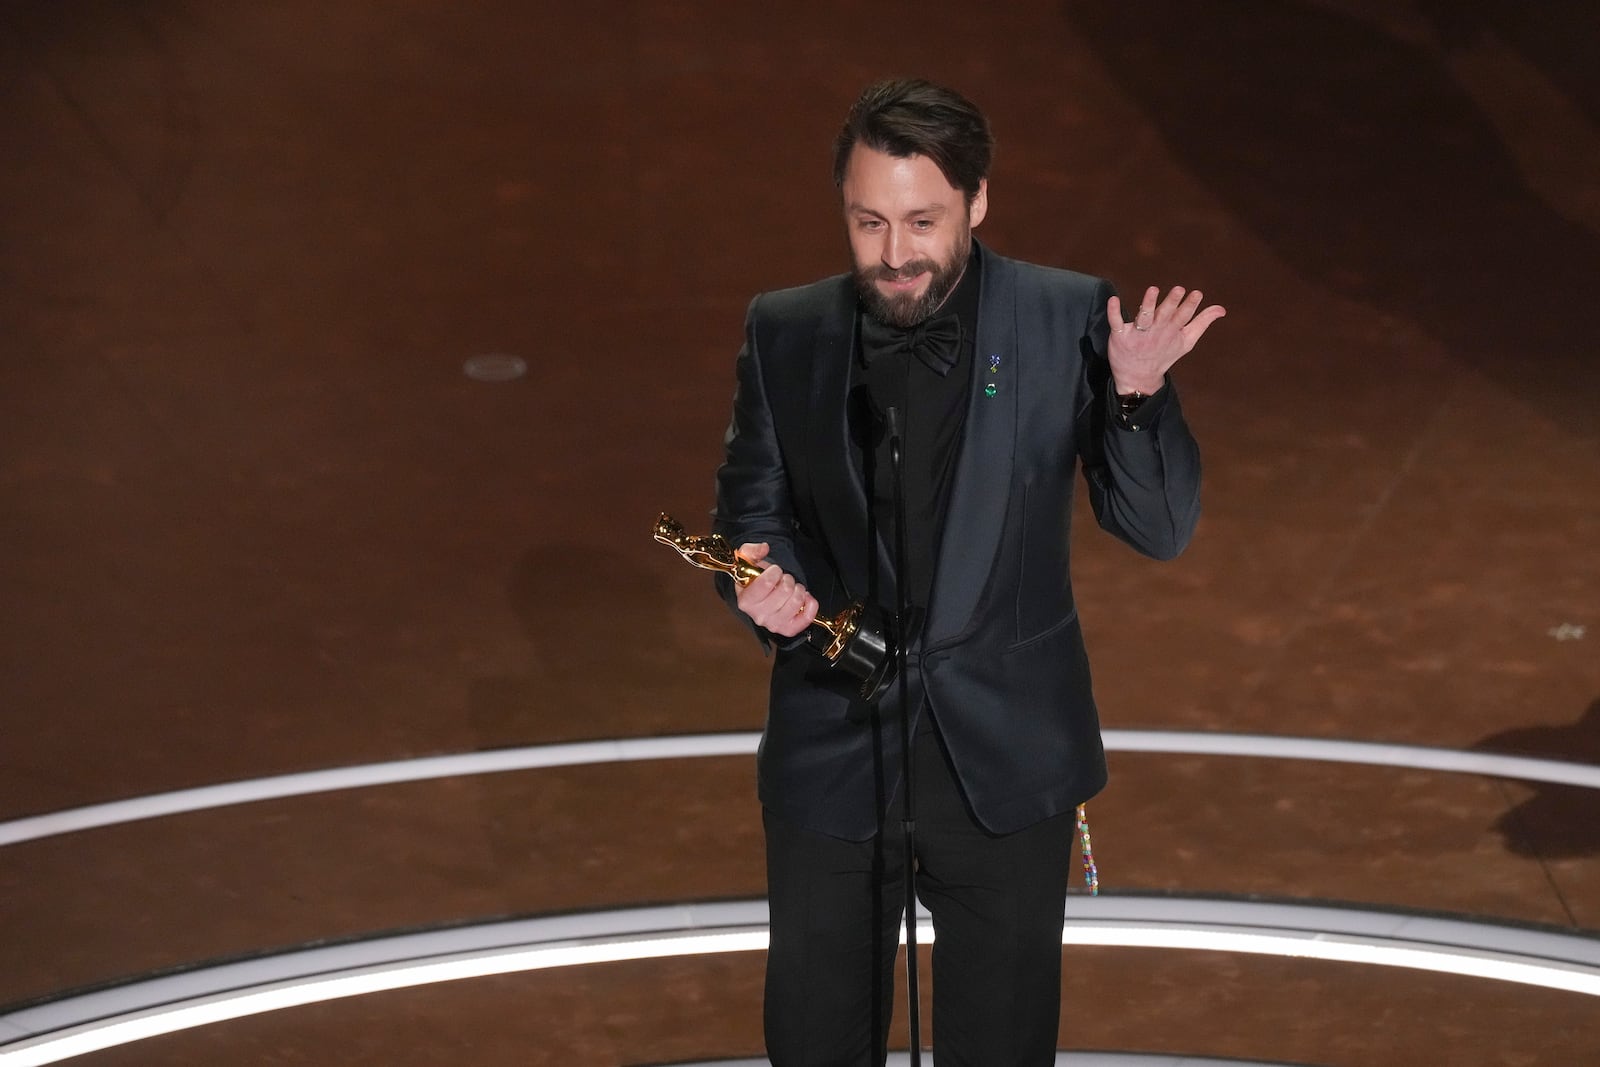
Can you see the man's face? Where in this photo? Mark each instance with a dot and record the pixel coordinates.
(910, 233)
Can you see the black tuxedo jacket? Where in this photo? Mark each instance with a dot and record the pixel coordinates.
(1000, 659)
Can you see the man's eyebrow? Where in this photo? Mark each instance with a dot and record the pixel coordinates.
(930, 209)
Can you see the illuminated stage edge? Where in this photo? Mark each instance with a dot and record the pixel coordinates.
(75, 1025)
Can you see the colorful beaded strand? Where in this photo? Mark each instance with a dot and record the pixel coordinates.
(1091, 873)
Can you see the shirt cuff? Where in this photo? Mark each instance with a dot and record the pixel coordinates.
(1144, 416)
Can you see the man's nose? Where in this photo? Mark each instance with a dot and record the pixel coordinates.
(896, 249)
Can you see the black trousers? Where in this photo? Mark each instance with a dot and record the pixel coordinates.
(996, 901)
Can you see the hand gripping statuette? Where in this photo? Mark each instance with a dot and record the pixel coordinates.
(854, 641)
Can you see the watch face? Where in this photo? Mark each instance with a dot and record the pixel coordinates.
(1128, 405)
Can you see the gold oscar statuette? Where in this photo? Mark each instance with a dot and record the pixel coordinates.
(853, 641)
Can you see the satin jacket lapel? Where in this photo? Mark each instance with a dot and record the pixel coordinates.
(976, 511)
(837, 459)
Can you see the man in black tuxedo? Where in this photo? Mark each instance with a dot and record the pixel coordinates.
(1005, 377)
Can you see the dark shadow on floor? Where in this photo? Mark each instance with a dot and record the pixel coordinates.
(1558, 821)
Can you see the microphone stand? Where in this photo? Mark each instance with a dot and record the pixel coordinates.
(908, 823)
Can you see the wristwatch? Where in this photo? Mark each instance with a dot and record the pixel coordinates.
(1128, 405)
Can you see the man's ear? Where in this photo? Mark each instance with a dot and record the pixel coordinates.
(980, 203)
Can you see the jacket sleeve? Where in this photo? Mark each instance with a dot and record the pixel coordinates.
(753, 499)
(1144, 483)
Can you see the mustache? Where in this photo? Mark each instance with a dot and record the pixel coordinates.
(906, 271)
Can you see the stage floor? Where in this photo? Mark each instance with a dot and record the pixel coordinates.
(256, 519)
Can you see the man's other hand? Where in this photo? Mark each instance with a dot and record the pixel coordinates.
(775, 601)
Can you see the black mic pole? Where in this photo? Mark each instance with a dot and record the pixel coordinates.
(908, 822)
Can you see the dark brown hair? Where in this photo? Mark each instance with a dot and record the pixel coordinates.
(912, 117)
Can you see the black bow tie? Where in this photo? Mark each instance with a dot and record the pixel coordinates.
(935, 341)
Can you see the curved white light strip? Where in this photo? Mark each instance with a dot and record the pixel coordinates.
(1063, 1059)
(462, 764)
(62, 1029)
(1371, 753)
(689, 746)
(219, 1007)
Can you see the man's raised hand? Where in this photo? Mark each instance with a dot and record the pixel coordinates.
(1142, 351)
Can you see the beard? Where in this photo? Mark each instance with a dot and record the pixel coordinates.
(908, 309)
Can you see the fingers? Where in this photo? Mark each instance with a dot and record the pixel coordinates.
(789, 625)
(776, 602)
(1171, 310)
(761, 587)
(1176, 309)
(1143, 319)
(1198, 325)
(1146, 317)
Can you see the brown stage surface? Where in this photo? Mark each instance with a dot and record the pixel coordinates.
(254, 518)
